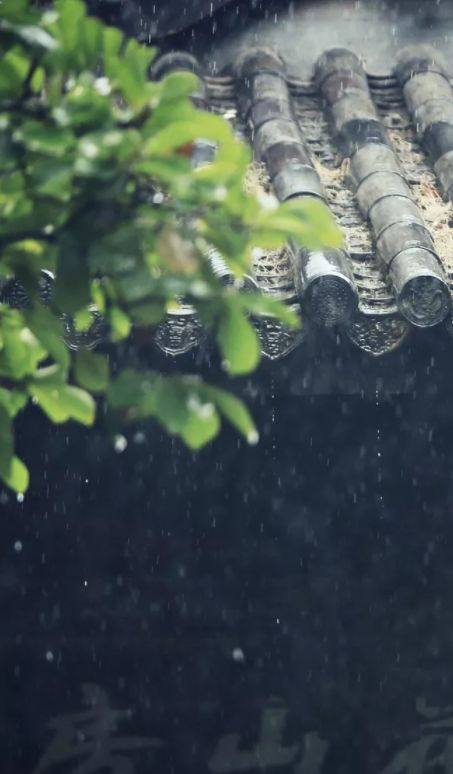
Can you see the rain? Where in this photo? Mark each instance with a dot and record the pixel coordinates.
(280, 602)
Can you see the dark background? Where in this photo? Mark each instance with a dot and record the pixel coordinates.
(324, 555)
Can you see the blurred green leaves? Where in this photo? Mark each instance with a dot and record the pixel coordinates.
(237, 340)
(97, 186)
(92, 371)
(183, 405)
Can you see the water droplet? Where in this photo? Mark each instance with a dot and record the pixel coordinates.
(238, 655)
(50, 657)
(20, 497)
(18, 546)
(120, 443)
(253, 437)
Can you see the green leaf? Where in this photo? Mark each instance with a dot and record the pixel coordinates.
(132, 388)
(308, 222)
(237, 340)
(49, 140)
(234, 410)
(6, 442)
(49, 331)
(203, 125)
(184, 405)
(21, 351)
(32, 35)
(62, 402)
(71, 14)
(52, 177)
(48, 399)
(91, 41)
(92, 371)
(164, 169)
(79, 404)
(116, 252)
(85, 107)
(8, 154)
(183, 410)
(148, 313)
(72, 287)
(17, 11)
(83, 320)
(201, 425)
(112, 39)
(119, 323)
(258, 303)
(27, 259)
(177, 85)
(98, 296)
(17, 477)
(12, 471)
(166, 112)
(231, 241)
(14, 68)
(136, 286)
(49, 376)
(12, 401)
(37, 80)
(132, 73)
(178, 403)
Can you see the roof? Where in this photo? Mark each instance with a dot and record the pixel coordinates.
(349, 138)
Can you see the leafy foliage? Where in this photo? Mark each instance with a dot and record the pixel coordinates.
(96, 187)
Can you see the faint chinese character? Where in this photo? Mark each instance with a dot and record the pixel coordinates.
(433, 751)
(312, 756)
(89, 739)
(269, 752)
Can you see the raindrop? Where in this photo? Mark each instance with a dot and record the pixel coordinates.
(120, 443)
(379, 452)
(50, 657)
(18, 546)
(20, 497)
(253, 437)
(238, 655)
(273, 432)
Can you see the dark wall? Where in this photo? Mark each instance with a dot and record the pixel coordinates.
(304, 583)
